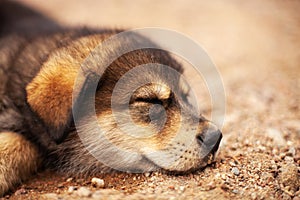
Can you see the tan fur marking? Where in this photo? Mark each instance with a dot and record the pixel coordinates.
(18, 159)
(50, 92)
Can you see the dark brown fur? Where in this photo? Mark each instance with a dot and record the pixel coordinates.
(38, 70)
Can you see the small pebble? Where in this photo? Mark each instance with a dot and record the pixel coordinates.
(235, 191)
(289, 159)
(97, 182)
(84, 192)
(147, 174)
(182, 188)
(235, 171)
(69, 180)
(21, 191)
(71, 189)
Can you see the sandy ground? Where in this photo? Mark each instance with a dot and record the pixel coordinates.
(255, 45)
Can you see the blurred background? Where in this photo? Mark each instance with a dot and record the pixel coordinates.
(232, 31)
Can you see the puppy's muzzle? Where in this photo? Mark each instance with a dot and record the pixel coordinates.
(210, 140)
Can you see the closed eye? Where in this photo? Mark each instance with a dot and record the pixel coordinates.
(149, 100)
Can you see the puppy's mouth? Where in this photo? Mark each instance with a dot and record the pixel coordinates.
(208, 148)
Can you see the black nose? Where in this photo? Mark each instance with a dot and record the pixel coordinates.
(211, 139)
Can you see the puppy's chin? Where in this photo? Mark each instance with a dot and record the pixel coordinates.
(126, 161)
(178, 164)
(181, 156)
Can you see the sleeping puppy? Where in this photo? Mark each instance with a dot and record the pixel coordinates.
(38, 73)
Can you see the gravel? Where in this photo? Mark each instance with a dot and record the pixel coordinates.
(288, 177)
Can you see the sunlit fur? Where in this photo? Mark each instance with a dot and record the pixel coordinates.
(37, 111)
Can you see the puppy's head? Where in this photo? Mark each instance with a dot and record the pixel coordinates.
(140, 118)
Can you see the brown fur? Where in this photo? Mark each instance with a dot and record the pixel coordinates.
(58, 75)
(18, 160)
(49, 97)
(38, 71)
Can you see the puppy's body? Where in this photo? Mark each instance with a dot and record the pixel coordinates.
(38, 70)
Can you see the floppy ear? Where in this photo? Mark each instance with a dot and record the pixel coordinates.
(49, 95)
(50, 92)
